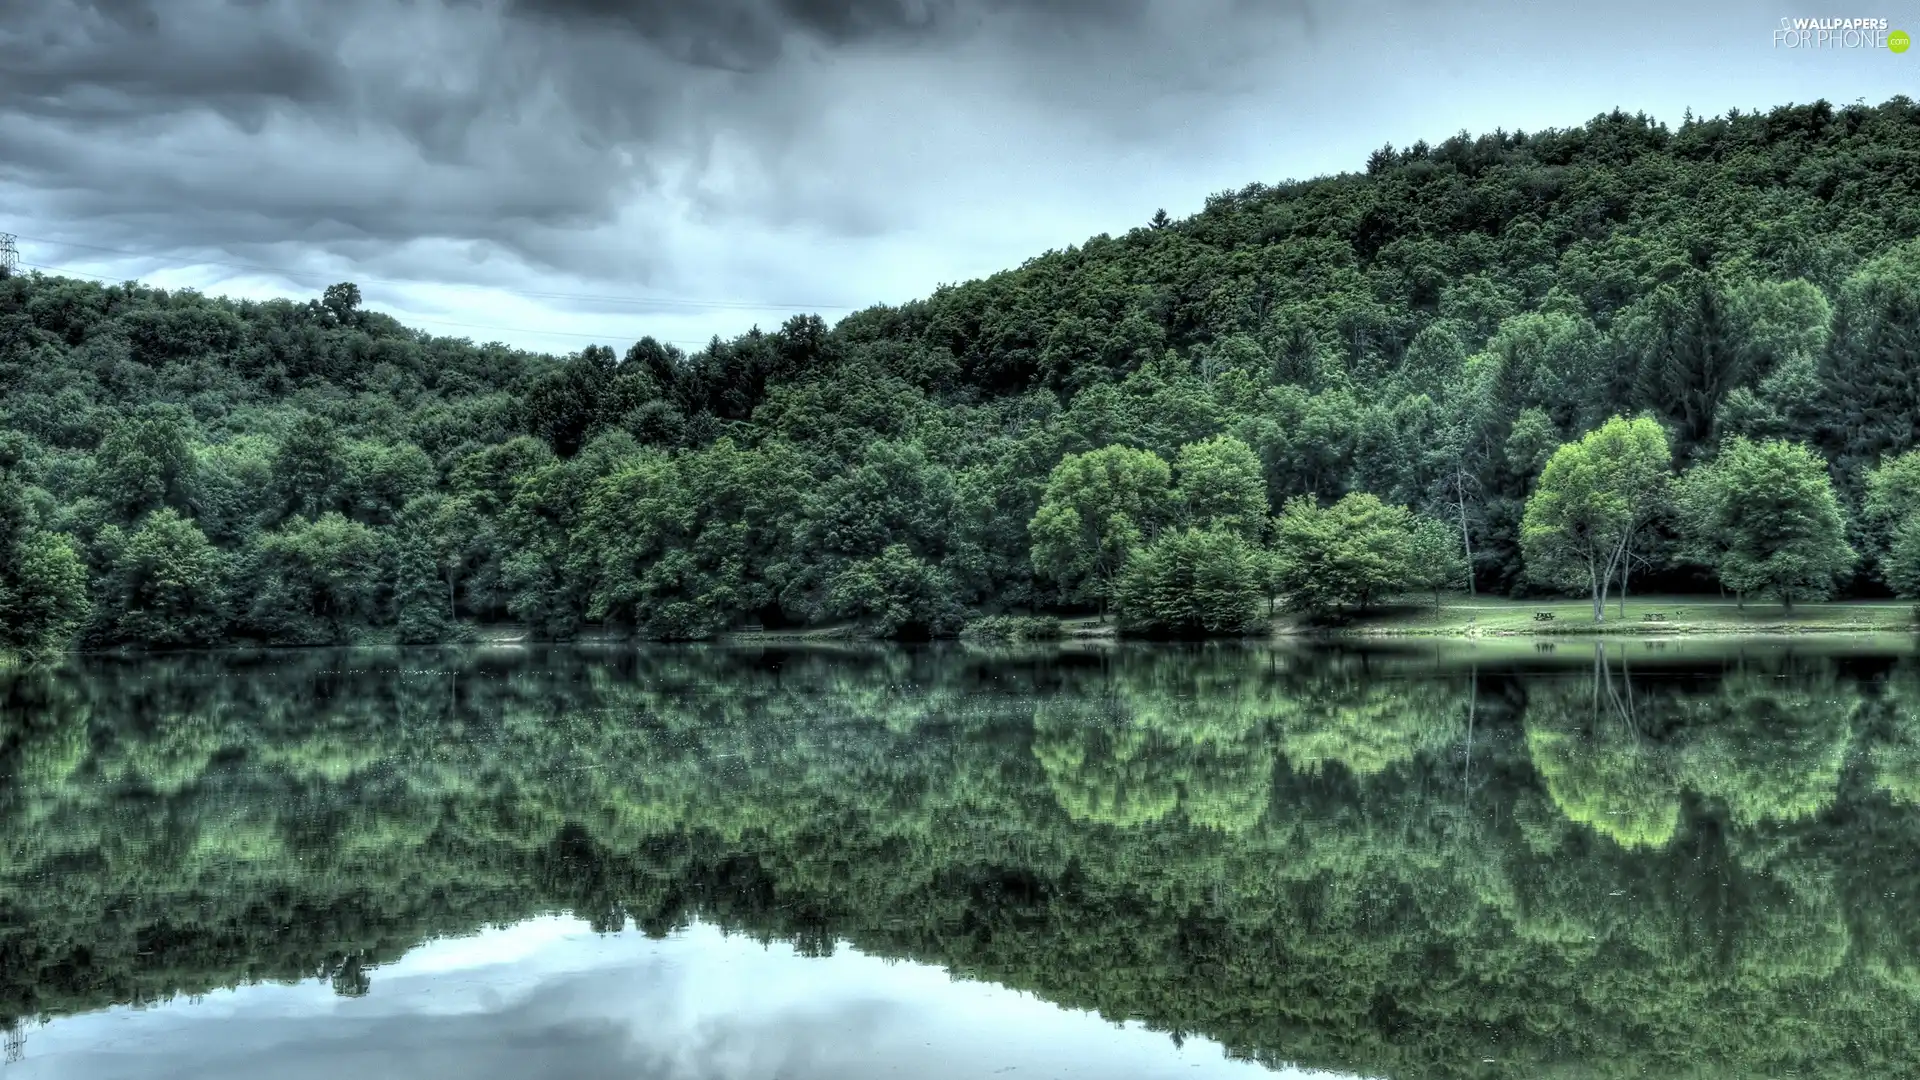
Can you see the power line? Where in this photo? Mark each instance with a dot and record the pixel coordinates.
(682, 301)
(435, 322)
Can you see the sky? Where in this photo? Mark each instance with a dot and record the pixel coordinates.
(558, 173)
(548, 997)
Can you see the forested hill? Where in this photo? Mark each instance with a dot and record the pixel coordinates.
(182, 469)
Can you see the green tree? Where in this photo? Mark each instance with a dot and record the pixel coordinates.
(452, 533)
(1434, 559)
(318, 582)
(307, 468)
(1335, 558)
(378, 478)
(1192, 584)
(423, 611)
(1591, 500)
(1696, 360)
(43, 593)
(43, 583)
(1098, 507)
(685, 546)
(1765, 518)
(1891, 521)
(1867, 393)
(165, 584)
(896, 595)
(147, 462)
(1221, 486)
(1900, 566)
(342, 301)
(589, 392)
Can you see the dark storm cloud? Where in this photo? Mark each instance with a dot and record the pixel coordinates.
(745, 35)
(232, 124)
(840, 152)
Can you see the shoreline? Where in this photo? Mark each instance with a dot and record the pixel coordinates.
(1684, 618)
(1606, 630)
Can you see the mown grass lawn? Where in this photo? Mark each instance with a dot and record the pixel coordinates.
(1463, 615)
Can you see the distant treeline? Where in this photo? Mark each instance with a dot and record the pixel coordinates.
(1163, 424)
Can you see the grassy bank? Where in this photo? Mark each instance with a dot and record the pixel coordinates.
(1462, 616)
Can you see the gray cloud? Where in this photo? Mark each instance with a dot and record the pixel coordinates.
(832, 151)
(241, 123)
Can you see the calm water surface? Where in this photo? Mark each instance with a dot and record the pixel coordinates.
(1637, 860)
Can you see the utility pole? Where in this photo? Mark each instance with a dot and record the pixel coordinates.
(9, 255)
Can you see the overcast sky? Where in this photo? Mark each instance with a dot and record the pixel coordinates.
(557, 172)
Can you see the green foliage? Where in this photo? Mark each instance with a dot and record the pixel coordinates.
(165, 585)
(1764, 515)
(1426, 331)
(1865, 385)
(1891, 521)
(1013, 628)
(43, 593)
(1435, 561)
(1900, 566)
(896, 595)
(146, 462)
(1592, 498)
(1192, 584)
(43, 583)
(1221, 487)
(676, 544)
(314, 582)
(1098, 507)
(1337, 558)
(307, 468)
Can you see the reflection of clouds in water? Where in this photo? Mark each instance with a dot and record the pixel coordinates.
(548, 998)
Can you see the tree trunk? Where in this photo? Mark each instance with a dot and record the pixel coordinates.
(1626, 565)
(1466, 538)
(1594, 577)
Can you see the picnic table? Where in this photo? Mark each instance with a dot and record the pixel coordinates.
(1543, 616)
(1654, 616)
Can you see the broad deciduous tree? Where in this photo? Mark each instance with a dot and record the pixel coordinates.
(1592, 498)
(1098, 507)
(1764, 516)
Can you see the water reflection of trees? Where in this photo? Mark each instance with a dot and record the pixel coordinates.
(1765, 741)
(1342, 860)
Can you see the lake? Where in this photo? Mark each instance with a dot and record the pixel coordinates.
(1578, 859)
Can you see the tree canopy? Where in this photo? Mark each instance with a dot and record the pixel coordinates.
(1428, 331)
(1767, 520)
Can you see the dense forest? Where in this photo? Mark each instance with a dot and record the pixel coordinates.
(1380, 865)
(1522, 362)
